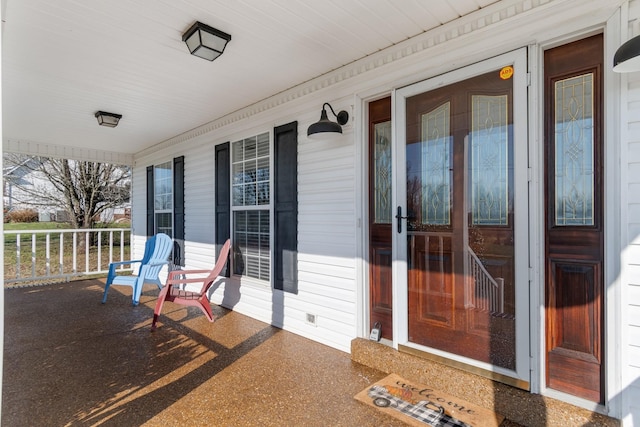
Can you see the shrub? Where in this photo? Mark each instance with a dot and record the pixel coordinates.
(21, 215)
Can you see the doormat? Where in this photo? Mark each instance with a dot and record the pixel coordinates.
(420, 405)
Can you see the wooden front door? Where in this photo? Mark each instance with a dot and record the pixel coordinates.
(574, 218)
(460, 197)
(380, 287)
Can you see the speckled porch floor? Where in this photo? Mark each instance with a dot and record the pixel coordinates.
(69, 360)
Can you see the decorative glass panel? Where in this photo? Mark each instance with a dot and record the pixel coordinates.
(489, 160)
(574, 174)
(382, 173)
(436, 166)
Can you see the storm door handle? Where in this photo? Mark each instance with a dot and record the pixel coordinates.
(399, 219)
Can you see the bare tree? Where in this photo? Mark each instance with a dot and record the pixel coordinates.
(83, 189)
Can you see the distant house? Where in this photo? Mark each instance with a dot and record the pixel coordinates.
(20, 181)
(17, 179)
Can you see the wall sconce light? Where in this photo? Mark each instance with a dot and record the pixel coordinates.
(108, 119)
(205, 41)
(627, 57)
(325, 128)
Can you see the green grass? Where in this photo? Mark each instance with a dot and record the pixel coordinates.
(56, 266)
(35, 225)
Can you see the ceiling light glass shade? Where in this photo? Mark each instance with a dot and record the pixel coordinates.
(205, 41)
(627, 57)
(325, 128)
(108, 119)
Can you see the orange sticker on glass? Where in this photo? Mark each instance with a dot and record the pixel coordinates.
(506, 72)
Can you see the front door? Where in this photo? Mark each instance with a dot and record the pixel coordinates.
(462, 213)
(574, 226)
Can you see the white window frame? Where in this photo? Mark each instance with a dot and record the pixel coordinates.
(168, 165)
(268, 207)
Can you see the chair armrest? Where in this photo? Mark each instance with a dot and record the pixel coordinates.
(174, 273)
(124, 262)
(157, 262)
(185, 280)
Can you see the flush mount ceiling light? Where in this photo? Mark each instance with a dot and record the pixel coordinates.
(205, 41)
(325, 128)
(108, 119)
(627, 57)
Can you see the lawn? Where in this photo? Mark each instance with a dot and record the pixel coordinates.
(32, 262)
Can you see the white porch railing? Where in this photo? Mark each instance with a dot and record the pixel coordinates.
(60, 254)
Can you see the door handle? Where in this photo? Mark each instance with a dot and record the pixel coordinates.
(399, 219)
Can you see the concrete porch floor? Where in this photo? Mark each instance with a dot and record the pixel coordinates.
(69, 360)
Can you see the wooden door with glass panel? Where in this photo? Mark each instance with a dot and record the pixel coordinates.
(380, 216)
(460, 226)
(574, 226)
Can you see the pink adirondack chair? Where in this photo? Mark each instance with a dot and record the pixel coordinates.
(199, 298)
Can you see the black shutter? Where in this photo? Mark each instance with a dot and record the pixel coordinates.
(178, 211)
(223, 198)
(286, 207)
(150, 198)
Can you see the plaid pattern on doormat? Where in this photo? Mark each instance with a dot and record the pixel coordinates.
(420, 405)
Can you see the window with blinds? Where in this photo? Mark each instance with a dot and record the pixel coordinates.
(251, 200)
(163, 198)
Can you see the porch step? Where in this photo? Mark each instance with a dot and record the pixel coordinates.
(518, 406)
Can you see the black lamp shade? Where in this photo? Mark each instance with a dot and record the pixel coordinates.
(205, 41)
(325, 128)
(108, 119)
(627, 57)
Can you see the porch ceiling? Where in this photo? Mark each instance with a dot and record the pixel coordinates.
(64, 60)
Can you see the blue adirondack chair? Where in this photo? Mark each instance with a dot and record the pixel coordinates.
(156, 252)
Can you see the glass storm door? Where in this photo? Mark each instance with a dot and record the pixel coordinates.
(462, 217)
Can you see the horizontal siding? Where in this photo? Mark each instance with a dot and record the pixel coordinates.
(327, 240)
(199, 201)
(634, 335)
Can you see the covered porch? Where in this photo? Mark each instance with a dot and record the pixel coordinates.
(321, 245)
(60, 343)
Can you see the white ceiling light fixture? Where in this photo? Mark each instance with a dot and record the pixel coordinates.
(205, 41)
(108, 119)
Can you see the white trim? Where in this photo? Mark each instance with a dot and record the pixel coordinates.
(518, 59)
(400, 299)
(360, 138)
(616, 119)
(536, 218)
(33, 148)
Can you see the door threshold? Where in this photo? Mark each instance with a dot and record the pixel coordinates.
(495, 376)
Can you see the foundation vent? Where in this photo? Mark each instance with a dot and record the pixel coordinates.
(311, 319)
